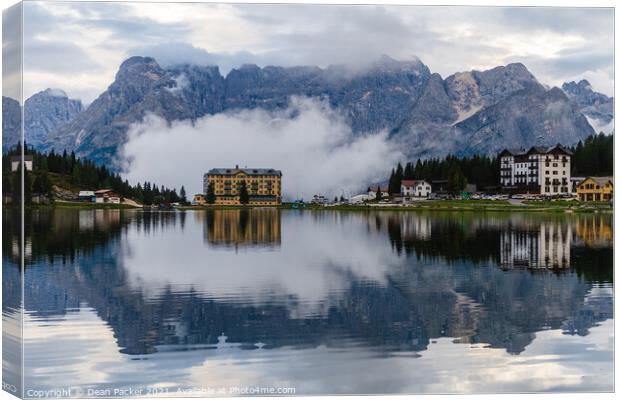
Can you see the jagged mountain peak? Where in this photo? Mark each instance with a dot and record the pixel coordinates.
(53, 92)
(598, 107)
(46, 111)
(574, 87)
(387, 62)
(428, 114)
(133, 61)
(139, 68)
(54, 95)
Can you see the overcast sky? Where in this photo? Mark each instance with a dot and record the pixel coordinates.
(79, 46)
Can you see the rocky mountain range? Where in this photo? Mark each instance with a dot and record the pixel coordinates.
(466, 113)
(44, 112)
(11, 122)
(596, 106)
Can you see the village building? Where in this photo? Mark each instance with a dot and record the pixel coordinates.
(107, 196)
(385, 192)
(264, 185)
(596, 188)
(412, 189)
(87, 195)
(319, 199)
(539, 170)
(16, 160)
(199, 199)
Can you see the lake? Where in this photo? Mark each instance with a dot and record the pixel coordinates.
(267, 301)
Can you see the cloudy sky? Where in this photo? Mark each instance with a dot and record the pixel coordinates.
(79, 46)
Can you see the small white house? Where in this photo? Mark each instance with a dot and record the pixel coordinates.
(319, 199)
(415, 189)
(107, 196)
(360, 198)
(86, 195)
(16, 160)
(372, 193)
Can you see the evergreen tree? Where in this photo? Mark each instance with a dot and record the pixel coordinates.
(456, 180)
(16, 184)
(378, 194)
(7, 184)
(210, 193)
(42, 184)
(244, 197)
(76, 174)
(391, 183)
(27, 187)
(183, 195)
(398, 178)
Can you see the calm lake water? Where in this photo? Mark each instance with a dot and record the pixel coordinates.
(221, 302)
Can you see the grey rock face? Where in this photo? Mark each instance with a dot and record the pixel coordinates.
(594, 105)
(11, 122)
(469, 112)
(141, 87)
(46, 111)
(529, 117)
(471, 91)
(484, 112)
(373, 99)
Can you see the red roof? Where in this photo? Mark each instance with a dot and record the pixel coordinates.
(410, 182)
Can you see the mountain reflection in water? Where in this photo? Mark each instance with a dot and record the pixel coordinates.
(385, 283)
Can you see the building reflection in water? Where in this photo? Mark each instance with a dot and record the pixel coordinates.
(446, 295)
(532, 244)
(594, 231)
(511, 241)
(242, 228)
(98, 219)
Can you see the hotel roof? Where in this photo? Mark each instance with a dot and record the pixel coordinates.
(247, 171)
(535, 150)
(412, 182)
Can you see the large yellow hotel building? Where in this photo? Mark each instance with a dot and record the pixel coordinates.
(264, 185)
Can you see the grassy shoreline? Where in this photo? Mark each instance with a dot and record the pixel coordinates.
(474, 208)
(439, 205)
(80, 205)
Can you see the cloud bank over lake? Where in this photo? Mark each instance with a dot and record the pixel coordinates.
(309, 142)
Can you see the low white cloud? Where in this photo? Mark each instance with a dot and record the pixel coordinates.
(181, 82)
(601, 126)
(309, 142)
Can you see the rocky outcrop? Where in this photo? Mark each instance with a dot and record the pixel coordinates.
(45, 111)
(11, 122)
(469, 112)
(596, 106)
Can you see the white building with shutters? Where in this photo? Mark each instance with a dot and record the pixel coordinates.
(539, 170)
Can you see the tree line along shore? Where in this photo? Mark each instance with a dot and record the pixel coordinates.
(54, 179)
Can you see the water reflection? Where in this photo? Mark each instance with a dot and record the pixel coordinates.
(242, 228)
(383, 285)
